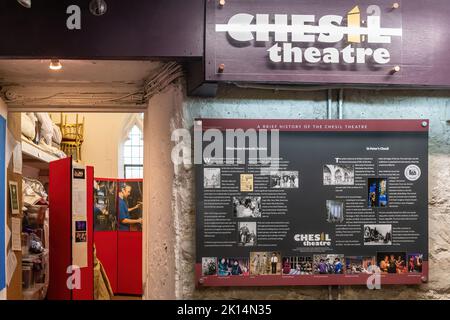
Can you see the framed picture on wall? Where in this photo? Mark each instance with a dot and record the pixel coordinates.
(14, 195)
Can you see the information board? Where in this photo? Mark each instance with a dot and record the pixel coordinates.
(311, 202)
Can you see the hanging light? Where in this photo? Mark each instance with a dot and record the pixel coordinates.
(55, 65)
(25, 3)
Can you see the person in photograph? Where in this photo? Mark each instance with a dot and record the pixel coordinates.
(392, 267)
(411, 264)
(338, 268)
(418, 264)
(244, 233)
(223, 268)
(400, 265)
(274, 262)
(372, 268)
(259, 263)
(384, 264)
(286, 266)
(236, 268)
(322, 267)
(125, 220)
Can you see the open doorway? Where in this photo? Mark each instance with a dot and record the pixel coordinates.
(102, 105)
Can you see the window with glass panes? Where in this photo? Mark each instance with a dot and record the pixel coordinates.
(133, 154)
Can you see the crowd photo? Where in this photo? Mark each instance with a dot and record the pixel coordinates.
(284, 179)
(329, 264)
(233, 267)
(392, 262)
(247, 207)
(297, 265)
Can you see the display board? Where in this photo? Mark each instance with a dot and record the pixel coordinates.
(311, 202)
(377, 42)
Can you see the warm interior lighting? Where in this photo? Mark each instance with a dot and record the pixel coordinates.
(25, 3)
(55, 65)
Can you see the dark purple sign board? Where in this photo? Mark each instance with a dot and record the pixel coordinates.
(347, 203)
(368, 42)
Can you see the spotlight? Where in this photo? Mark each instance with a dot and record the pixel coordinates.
(25, 3)
(55, 65)
(98, 7)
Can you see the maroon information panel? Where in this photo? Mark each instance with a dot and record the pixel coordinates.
(311, 202)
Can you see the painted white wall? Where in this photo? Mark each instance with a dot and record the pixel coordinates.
(103, 135)
(4, 114)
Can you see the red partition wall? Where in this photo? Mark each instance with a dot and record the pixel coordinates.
(60, 228)
(130, 263)
(86, 292)
(106, 249)
(106, 245)
(60, 237)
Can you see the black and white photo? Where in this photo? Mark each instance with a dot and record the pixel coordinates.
(211, 178)
(377, 234)
(284, 179)
(338, 175)
(247, 207)
(335, 211)
(247, 233)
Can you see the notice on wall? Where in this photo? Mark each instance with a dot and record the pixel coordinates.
(16, 234)
(79, 217)
(312, 202)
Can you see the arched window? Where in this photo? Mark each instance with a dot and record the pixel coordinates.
(133, 154)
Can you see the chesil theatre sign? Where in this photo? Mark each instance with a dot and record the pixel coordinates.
(371, 42)
(309, 29)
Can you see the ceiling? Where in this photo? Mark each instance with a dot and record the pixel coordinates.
(78, 71)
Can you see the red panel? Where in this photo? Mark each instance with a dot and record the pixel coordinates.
(130, 263)
(106, 247)
(86, 292)
(60, 225)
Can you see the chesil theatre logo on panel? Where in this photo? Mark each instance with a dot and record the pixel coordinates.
(352, 38)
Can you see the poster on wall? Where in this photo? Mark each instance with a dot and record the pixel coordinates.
(129, 204)
(105, 209)
(311, 202)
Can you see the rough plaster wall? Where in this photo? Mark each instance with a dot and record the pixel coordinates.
(232, 102)
(159, 230)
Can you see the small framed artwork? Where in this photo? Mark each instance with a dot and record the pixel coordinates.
(14, 195)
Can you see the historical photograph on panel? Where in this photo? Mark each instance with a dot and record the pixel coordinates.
(209, 266)
(233, 267)
(265, 263)
(247, 233)
(338, 175)
(284, 179)
(377, 234)
(246, 183)
(247, 207)
(392, 262)
(415, 263)
(297, 266)
(377, 192)
(335, 211)
(360, 264)
(211, 178)
(328, 264)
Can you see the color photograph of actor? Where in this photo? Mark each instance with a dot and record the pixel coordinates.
(125, 220)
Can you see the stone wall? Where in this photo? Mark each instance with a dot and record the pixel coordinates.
(232, 102)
